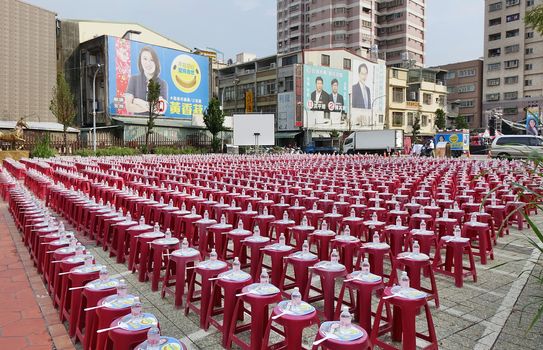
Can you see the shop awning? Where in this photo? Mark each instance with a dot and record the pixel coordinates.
(286, 134)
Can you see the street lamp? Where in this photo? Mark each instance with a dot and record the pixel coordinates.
(236, 83)
(372, 102)
(94, 107)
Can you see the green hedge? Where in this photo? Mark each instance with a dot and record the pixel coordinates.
(174, 150)
(43, 149)
(112, 151)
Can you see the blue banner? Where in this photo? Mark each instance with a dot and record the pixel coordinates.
(183, 78)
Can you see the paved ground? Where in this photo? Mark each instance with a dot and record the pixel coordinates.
(482, 315)
(28, 320)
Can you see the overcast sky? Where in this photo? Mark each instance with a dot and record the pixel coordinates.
(454, 29)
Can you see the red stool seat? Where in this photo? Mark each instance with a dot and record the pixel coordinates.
(453, 264)
(176, 273)
(361, 342)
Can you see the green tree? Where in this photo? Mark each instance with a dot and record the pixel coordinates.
(153, 98)
(460, 122)
(62, 106)
(214, 120)
(534, 18)
(440, 119)
(334, 134)
(416, 129)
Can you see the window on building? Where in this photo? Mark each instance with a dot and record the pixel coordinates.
(493, 82)
(530, 3)
(493, 97)
(265, 88)
(397, 119)
(493, 66)
(289, 84)
(529, 50)
(528, 66)
(495, 21)
(510, 95)
(398, 95)
(495, 6)
(512, 48)
(494, 52)
(469, 72)
(510, 111)
(511, 64)
(451, 89)
(395, 74)
(528, 82)
(424, 121)
(410, 118)
(450, 75)
(513, 17)
(427, 99)
(346, 64)
(325, 60)
(465, 88)
(512, 33)
(495, 36)
(509, 3)
(441, 100)
(529, 35)
(466, 104)
(510, 80)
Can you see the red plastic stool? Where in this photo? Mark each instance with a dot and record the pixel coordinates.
(300, 234)
(124, 339)
(453, 264)
(479, 232)
(142, 253)
(277, 253)
(207, 269)
(360, 343)
(61, 277)
(301, 262)
(334, 221)
(322, 238)
(293, 326)
(377, 253)
(131, 237)
(237, 236)
(404, 325)
(415, 265)
(111, 307)
(327, 292)
(176, 273)
(264, 221)
(346, 245)
(259, 317)
(201, 227)
(364, 286)
(118, 244)
(216, 238)
(54, 269)
(78, 277)
(85, 330)
(254, 244)
(158, 259)
(282, 227)
(230, 286)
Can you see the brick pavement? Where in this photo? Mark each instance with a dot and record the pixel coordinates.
(29, 320)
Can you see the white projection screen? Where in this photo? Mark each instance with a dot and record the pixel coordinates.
(247, 125)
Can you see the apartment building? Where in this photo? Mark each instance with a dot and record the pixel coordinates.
(464, 82)
(394, 28)
(28, 71)
(413, 93)
(513, 71)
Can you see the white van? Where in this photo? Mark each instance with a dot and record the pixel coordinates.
(516, 146)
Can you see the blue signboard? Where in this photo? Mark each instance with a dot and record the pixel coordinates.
(459, 140)
(183, 78)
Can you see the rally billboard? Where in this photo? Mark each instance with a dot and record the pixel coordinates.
(532, 121)
(326, 98)
(183, 78)
(368, 93)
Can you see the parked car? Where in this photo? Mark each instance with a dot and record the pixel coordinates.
(516, 146)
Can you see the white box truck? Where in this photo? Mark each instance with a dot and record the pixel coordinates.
(373, 141)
